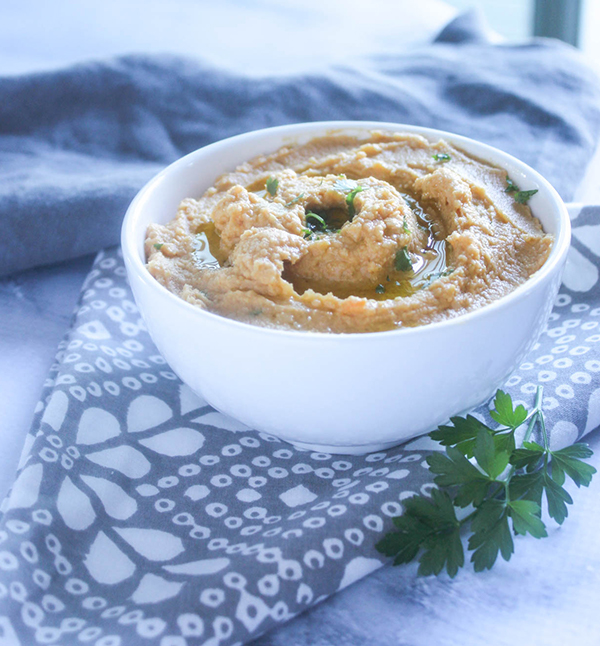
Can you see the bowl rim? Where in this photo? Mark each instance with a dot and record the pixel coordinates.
(484, 151)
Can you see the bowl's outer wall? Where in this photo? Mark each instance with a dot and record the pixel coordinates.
(335, 390)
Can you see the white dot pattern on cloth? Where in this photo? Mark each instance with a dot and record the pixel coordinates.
(141, 515)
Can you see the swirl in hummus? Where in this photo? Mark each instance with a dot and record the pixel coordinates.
(351, 235)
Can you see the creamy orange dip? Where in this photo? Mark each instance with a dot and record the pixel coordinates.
(351, 235)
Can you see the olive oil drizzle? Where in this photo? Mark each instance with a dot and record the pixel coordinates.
(426, 266)
(207, 248)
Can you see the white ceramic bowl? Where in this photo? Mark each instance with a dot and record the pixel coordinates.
(348, 393)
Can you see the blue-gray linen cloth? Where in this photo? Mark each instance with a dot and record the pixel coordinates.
(142, 516)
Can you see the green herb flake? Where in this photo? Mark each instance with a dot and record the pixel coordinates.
(511, 187)
(158, 245)
(295, 200)
(405, 225)
(522, 197)
(502, 483)
(350, 189)
(380, 289)
(316, 221)
(350, 200)
(434, 275)
(272, 184)
(402, 261)
(307, 234)
(442, 157)
(255, 312)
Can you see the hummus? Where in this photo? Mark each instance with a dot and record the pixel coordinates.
(351, 235)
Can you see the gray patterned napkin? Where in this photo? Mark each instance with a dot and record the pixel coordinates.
(142, 516)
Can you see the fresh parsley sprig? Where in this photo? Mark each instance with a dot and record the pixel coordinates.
(499, 484)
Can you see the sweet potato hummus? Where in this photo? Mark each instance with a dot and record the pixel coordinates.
(351, 235)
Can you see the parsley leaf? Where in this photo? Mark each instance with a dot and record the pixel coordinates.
(430, 524)
(453, 469)
(158, 245)
(557, 499)
(491, 534)
(442, 157)
(350, 201)
(528, 457)
(462, 434)
(504, 441)
(522, 197)
(272, 184)
(569, 461)
(492, 461)
(511, 187)
(402, 261)
(503, 412)
(525, 515)
(504, 484)
(528, 486)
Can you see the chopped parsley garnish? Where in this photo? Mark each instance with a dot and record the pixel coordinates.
(350, 189)
(307, 234)
(350, 200)
(402, 261)
(272, 184)
(317, 223)
(522, 197)
(511, 187)
(295, 200)
(380, 289)
(434, 275)
(158, 245)
(442, 157)
(405, 226)
(502, 483)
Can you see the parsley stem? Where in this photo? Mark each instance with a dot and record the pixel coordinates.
(531, 415)
(533, 419)
(537, 414)
(544, 433)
